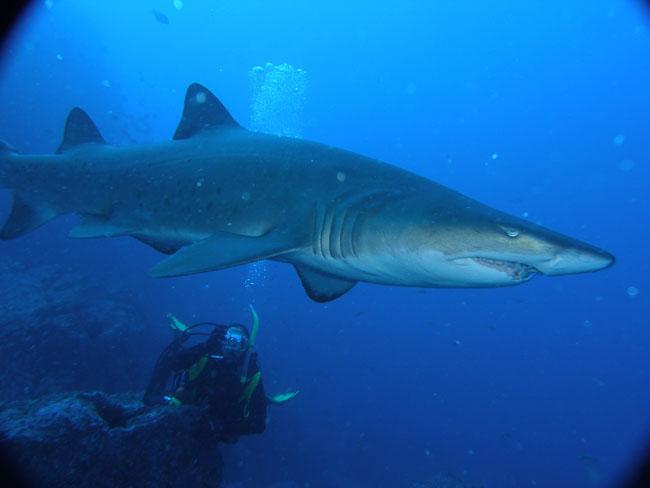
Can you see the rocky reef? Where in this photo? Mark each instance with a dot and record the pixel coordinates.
(57, 334)
(62, 333)
(99, 440)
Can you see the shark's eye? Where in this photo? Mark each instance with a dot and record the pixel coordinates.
(510, 231)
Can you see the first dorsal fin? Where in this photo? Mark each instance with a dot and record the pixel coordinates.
(202, 111)
(79, 129)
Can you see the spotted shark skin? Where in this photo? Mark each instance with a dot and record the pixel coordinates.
(218, 196)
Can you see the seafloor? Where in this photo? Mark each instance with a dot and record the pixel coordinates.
(73, 373)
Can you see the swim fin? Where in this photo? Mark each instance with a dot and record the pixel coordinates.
(282, 398)
(176, 324)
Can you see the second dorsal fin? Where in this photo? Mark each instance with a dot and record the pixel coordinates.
(79, 129)
(202, 111)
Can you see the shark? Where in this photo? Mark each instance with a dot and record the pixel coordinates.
(218, 195)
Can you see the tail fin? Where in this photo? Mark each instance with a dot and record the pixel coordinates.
(26, 214)
(5, 151)
(6, 148)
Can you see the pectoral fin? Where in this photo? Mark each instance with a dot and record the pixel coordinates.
(222, 250)
(322, 287)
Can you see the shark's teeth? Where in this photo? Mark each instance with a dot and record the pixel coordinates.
(517, 271)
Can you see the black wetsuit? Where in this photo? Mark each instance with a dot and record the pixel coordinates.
(217, 386)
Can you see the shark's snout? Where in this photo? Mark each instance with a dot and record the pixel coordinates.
(576, 260)
(512, 254)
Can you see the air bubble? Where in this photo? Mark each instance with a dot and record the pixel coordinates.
(246, 196)
(618, 139)
(340, 176)
(277, 105)
(178, 4)
(632, 291)
(279, 93)
(626, 165)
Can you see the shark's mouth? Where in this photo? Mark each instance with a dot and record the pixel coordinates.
(517, 271)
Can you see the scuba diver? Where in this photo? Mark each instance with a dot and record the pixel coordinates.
(217, 370)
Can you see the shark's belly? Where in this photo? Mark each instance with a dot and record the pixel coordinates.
(380, 269)
(432, 269)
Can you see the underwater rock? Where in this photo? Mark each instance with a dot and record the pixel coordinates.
(56, 334)
(93, 439)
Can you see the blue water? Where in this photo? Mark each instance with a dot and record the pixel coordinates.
(540, 109)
